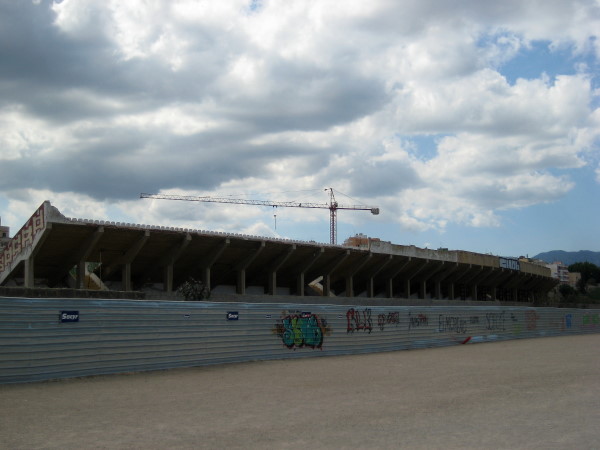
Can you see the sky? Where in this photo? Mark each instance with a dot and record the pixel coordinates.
(472, 125)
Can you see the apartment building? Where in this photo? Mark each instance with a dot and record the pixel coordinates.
(559, 271)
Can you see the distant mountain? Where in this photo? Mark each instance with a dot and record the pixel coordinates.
(569, 258)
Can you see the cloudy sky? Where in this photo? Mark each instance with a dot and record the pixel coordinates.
(472, 124)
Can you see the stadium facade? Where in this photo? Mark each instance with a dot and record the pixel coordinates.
(52, 251)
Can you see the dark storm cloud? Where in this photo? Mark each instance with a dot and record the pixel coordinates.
(35, 51)
(61, 79)
(43, 69)
(118, 163)
(336, 99)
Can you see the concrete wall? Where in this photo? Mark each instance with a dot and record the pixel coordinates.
(478, 259)
(460, 256)
(43, 339)
(378, 246)
(535, 269)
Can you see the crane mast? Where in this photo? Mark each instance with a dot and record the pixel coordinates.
(332, 206)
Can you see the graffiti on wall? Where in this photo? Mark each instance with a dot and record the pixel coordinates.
(568, 320)
(566, 323)
(517, 328)
(391, 318)
(531, 318)
(591, 320)
(23, 239)
(452, 324)
(495, 321)
(417, 321)
(301, 329)
(509, 263)
(359, 320)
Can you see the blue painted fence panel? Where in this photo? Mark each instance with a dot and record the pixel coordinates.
(42, 339)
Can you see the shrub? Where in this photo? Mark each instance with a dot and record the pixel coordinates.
(568, 293)
(194, 290)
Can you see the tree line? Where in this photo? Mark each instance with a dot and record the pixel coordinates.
(587, 289)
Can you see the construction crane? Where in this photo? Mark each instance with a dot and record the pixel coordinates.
(333, 206)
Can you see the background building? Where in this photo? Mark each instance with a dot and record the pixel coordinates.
(4, 235)
(559, 271)
(574, 278)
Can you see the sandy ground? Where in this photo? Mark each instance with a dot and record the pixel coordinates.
(536, 393)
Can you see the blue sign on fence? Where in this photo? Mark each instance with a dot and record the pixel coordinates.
(233, 315)
(69, 316)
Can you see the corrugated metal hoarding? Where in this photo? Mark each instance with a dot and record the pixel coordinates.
(43, 339)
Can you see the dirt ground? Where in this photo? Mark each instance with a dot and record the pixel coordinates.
(528, 394)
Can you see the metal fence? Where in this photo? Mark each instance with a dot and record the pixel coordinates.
(42, 339)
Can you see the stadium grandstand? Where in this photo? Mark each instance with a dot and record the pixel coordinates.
(113, 259)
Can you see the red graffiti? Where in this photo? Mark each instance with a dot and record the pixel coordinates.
(359, 320)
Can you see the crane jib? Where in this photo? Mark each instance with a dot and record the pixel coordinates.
(332, 206)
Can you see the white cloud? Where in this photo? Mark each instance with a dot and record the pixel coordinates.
(214, 98)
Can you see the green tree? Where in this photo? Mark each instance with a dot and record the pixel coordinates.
(590, 274)
(568, 293)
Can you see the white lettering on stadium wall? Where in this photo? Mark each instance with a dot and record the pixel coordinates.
(512, 264)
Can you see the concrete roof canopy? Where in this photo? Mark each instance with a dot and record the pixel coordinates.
(57, 252)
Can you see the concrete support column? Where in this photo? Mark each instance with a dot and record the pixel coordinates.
(126, 277)
(211, 258)
(349, 287)
(242, 265)
(80, 279)
(438, 290)
(128, 258)
(451, 291)
(493, 293)
(272, 283)
(241, 282)
(328, 272)
(301, 274)
(371, 288)
(422, 289)
(389, 288)
(29, 272)
(474, 292)
(168, 278)
(300, 285)
(326, 285)
(83, 256)
(274, 266)
(206, 277)
(407, 288)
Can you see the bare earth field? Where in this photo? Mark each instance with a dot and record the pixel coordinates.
(529, 394)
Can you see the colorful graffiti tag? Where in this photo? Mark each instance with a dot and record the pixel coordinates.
(301, 329)
(591, 320)
(567, 322)
(359, 320)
